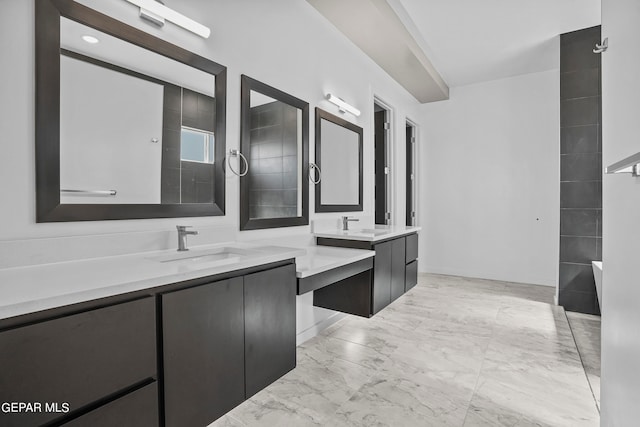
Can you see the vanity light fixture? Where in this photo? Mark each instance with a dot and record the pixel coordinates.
(90, 39)
(629, 165)
(157, 12)
(343, 107)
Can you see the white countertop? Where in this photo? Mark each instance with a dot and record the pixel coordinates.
(376, 234)
(34, 288)
(324, 258)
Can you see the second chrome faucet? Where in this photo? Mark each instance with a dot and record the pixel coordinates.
(182, 236)
(345, 222)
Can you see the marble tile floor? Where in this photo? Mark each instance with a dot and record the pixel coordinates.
(451, 352)
(586, 333)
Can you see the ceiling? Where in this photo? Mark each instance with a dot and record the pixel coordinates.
(470, 41)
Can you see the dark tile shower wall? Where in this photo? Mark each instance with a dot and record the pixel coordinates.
(171, 124)
(580, 169)
(185, 182)
(273, 171)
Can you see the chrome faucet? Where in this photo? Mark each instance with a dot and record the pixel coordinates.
(182, 236)
(345, 222)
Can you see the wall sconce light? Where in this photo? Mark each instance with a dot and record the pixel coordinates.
(343, 107)
(156, 12)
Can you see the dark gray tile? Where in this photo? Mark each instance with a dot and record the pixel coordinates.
(274, 198)
(290, 164)
(272, 133)
(256, 136)
(204, 172)
(170, 196)
(188, 193)
(579, 84)
(171, 120)
(581, 167)
(170, 188)
(590, 34)
(270, 114)
(579, 222)
(598, 249)
(578, 249)
(581, 302)
(289, 113)
(290, 147)
(205, 121)
(290, 212)
(599, 232)
(587, 194)
(206, 103)
(270, 149)
(189, 107)
(266, 181)
(268, 165)
(268, 212)
(576, 50)
(290, 181)
(581, 111)
(204, 192)
(187, 177)
(170, 152)
(579, 139)
(290, 198)
(171, 176)
(172, 97)
(576, 278)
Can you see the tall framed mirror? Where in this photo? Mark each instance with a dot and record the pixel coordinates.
(275, 142)
(127, 125)
(339, 156)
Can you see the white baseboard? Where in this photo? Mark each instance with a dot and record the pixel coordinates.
(314, 330)
(487, 276)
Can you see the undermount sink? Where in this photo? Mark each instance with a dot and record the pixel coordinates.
(374, 231)
(224, 255)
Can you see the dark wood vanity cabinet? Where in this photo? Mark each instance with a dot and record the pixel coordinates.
(225, 341)
(270, 326)
(136, 409)
(181, 354)
(411, 259)
(395, 271)
(398, 265)
(203, 352)
(78, 363)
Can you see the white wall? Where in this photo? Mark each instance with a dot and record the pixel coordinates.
(106, 133)
(621, 216)
(284, 43)
(490, 172)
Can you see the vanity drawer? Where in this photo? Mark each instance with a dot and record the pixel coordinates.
(77, 359)
(411, 275)
(136, 409)
(411, 248)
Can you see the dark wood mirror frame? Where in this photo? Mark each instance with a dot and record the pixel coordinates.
(323, 115)
(246, 223)
(48, 207)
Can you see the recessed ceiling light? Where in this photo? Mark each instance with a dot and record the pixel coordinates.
(90, 39)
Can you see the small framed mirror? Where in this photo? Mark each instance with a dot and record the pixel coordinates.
(275, 142)
(127, 125)
(339, 157)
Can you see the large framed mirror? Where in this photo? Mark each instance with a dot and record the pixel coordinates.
(339, 157)
(275, 142)
(127, 125)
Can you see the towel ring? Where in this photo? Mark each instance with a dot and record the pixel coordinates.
(236, 153)
(312, 167)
